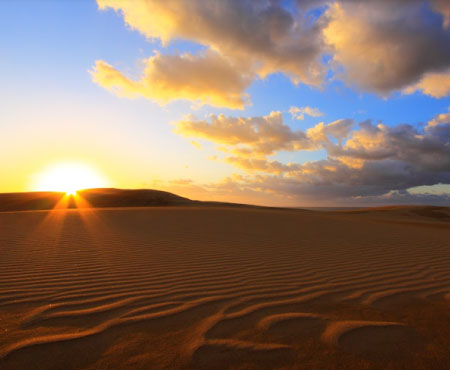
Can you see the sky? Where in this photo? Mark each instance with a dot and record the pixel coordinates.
(273, 102)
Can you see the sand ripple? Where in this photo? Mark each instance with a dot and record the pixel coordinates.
(222, 289)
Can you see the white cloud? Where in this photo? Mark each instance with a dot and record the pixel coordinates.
(299, 112)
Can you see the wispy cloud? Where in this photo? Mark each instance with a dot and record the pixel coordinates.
(300, 112)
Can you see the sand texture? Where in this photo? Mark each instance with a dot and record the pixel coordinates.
(225, 288)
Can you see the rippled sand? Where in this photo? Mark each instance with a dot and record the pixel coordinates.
(224, 288)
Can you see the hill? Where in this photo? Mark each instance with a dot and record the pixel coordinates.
(98, 198)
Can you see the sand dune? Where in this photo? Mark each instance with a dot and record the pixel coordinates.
(97, 198)
(225, 288)
(100, 198)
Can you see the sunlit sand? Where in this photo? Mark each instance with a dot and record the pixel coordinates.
(206, 287)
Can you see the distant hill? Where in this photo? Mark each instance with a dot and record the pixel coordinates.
(98, 198)
(101, 198)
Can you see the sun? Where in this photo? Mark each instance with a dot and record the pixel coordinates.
(69, 178)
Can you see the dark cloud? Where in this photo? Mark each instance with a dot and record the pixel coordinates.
(428, 149)
(396, 43)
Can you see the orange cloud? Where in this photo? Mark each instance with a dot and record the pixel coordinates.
(264, 36)
(262, 165)
(440, 119)
(376, 45)
(254, 136)
(436, 85)
(206, 79)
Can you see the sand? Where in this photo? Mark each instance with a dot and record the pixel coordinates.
(225, 288)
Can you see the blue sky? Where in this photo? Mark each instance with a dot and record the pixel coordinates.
(53, 111)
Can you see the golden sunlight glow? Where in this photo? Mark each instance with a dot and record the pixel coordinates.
(68, 178)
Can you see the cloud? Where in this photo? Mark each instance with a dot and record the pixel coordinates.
(440, 119)
(436, 85)
(196, 144)
(364, 161)
(261, 165)
(206, 78)
(427, 150)
(443, 7)
(299, 112)
(259, 137)
(263, 34)
(282, 191)
(332, 182)
(254, 136)
(322, 133)
(379, 46)
(383, 46)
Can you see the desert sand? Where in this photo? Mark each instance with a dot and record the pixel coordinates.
(224, 288)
